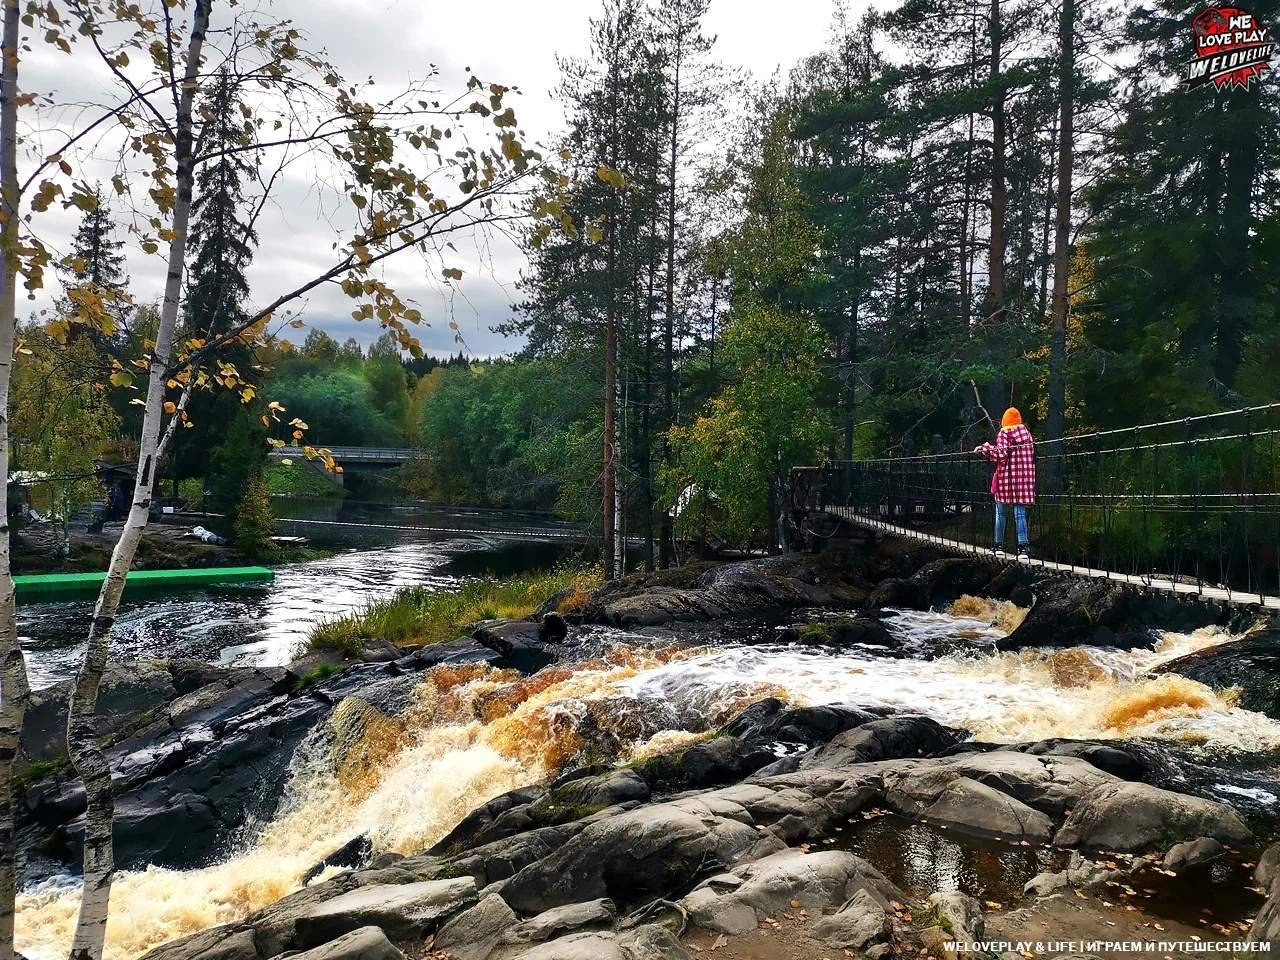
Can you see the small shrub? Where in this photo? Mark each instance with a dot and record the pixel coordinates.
(424, 615)
(322, 672)
(254, 522)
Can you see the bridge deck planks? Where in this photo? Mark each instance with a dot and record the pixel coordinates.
(1155, 583)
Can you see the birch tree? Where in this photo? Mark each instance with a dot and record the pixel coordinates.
(410, 178)
(14, 689)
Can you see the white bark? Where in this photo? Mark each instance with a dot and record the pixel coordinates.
(82, 743)
(14, 691)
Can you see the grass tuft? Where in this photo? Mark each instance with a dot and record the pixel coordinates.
(422, 615)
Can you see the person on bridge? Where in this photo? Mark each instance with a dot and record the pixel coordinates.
(1014, 482)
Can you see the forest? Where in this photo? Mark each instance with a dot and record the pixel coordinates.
(948, 208)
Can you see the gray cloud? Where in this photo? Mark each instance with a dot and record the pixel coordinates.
(514, 42)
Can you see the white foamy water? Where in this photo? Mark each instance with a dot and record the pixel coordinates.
(472, 733)
(1083, 692)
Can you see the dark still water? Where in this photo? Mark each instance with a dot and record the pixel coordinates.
(265, 624)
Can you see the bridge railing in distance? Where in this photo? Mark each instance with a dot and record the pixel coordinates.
(1193, 502)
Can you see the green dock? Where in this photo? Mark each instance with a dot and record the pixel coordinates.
(51, 586)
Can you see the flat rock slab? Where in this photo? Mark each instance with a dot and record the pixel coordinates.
(365, 943)
(402, 909)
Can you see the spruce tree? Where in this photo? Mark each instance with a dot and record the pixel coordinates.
(221, 247)
(95, 278)
(222, 234)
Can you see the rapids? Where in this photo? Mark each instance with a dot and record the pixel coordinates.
(471, 733)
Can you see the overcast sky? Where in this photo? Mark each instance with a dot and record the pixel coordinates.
(515, 42)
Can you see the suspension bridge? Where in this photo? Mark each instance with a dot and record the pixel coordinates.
(1189, 506)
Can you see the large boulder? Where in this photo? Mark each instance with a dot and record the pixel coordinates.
(1266, 925)
(707, 592)
(366, 943)
(473, 933)
(1135, 817)
(631, 857)
(1250, 665)
(403, 910)
(733, 903)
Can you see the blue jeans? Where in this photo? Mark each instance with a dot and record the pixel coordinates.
(1019, 519)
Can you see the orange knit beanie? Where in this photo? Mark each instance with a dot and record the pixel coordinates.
(1011, 418)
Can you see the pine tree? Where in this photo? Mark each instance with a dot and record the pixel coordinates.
(1180, 238)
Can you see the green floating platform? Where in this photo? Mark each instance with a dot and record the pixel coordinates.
(44, 586)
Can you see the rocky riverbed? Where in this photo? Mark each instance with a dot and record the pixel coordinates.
(868, 754)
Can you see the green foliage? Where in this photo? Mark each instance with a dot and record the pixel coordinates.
(254, 522)
(511, 434)
(299, 479)
(762, 423)
(338, 404)
(418, 615)
(322, 672)
(239, 458)
(60, 422)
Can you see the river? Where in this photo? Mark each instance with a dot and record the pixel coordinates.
(265, 624)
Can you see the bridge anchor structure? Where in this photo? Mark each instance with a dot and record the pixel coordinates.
(1190, 507)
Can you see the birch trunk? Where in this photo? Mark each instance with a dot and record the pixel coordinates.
(82, 742)
(14, 691)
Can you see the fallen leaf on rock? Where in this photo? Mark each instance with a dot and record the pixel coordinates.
(795, 904)
(991, 904)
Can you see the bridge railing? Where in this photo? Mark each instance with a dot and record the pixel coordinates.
(356, 454)
(1193, 501)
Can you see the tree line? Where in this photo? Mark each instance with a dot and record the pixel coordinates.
(950, 207)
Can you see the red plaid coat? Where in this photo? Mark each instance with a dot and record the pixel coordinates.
(1013, 453)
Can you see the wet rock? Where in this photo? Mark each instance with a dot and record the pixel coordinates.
(840, 632)
(958, 913)
(130, 690)
(819, 882)
(707, 592)
(892, 738)
(861, 922)
(1192, 853)
(1134, 817)
(554, 628)
(631, 857)
(558, 921)
(939, 582)
(977, 808)
(1044, 884)
(366, 943)
(356, 851)
(1251, 665)
(520, 643)
(220, 943)
(773, 721)
(401, 909)
(1108, 757)
(718, 761)
(1266, 925)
